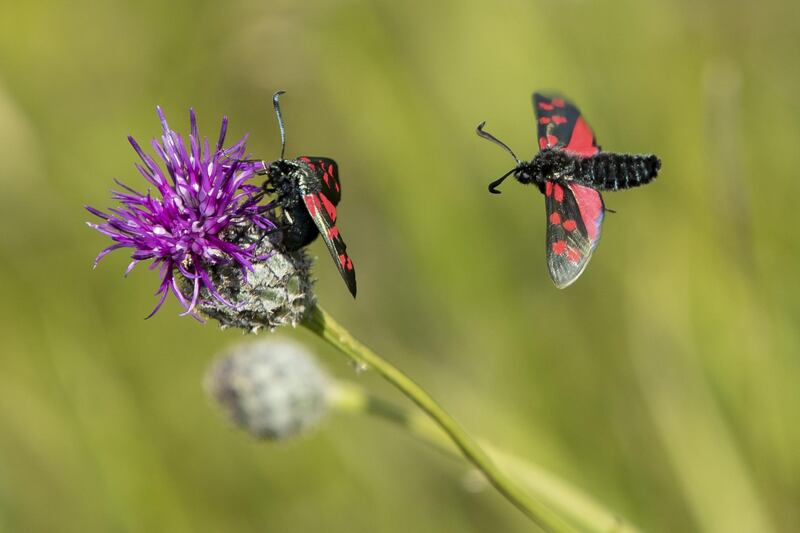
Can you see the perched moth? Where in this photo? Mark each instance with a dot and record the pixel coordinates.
(308, 190)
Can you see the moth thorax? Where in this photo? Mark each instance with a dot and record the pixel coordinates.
(281, 181)
(280, 170)
(553, 164)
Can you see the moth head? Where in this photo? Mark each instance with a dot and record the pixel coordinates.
(526, 172)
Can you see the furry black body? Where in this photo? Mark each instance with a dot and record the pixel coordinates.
(604, 171)
(290, 181)
(308, 190)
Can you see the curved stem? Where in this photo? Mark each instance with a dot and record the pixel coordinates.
(323, 325)
(571, 502)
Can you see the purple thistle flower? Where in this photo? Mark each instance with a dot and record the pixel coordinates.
(203, 197)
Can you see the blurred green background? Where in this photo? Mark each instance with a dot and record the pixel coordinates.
(664, 382)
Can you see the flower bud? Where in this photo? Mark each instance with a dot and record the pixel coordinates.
(273, 388)
(276, 292)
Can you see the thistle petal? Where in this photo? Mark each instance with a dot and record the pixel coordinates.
(182, 227)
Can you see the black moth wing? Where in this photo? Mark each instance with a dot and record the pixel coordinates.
(561, 126)
(322, 210)
(328, 171)
(569, 242)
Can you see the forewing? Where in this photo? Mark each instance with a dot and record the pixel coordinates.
(329, 172)
(561, 126)
(574, 219)
(323, 212)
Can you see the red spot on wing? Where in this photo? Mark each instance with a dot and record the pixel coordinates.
(555, 219)
(590, 205)
(552, 140)
(570, 225)
(345, 261)
(329, 177)
(548, 188)
(333, 232)
(544, 120)
(312, 204)
(545, 106)
(582, 140)
(558, 119)
(329, 207)
(558, 102)
(573, 255)
(559, 247)
(558, 193)
(307, 161)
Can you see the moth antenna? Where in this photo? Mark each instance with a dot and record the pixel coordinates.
(486, 135)
(493, 185)
(280, 120)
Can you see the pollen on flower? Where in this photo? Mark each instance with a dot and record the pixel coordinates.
(188, 224)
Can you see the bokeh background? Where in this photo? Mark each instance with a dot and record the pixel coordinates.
(664, 382)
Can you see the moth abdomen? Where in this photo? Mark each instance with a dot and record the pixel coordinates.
(612, 171)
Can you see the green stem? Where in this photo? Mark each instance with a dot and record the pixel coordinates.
(578, 507)
(323, 325)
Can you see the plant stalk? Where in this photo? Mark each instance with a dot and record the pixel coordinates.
(569, 501)
(318, 321)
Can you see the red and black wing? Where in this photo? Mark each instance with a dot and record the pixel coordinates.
(574, 212)
(331, 187)
(322, 208)
(562, 127)
(574, 220)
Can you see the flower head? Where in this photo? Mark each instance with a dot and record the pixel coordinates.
(190, 223)
(276, 291)
(272, 388)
